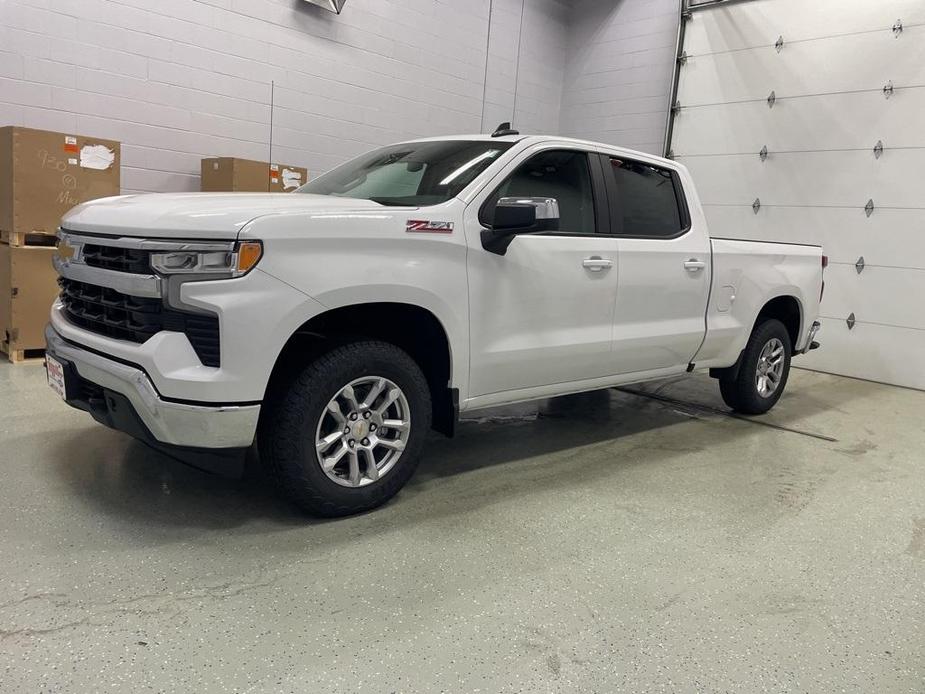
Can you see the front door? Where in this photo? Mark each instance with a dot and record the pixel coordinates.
(542, 313)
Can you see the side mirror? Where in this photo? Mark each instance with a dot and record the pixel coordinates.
(515, 216)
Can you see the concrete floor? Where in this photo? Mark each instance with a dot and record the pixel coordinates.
(605, 542)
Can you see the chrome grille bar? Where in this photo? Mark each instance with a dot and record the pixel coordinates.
(123, 282)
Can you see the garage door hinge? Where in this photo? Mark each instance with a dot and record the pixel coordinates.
(772, 97)
(878, 149)
(779, 44)
(670, 154)
(851, 321)
(682, 59)
(756, 205)
(859, 266)
(869, 207)
(676, 109)
(888, 89)
(897, 28)
(763, 154)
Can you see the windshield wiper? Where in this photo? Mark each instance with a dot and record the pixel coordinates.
(391, 202)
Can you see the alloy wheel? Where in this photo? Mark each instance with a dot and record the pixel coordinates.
(363, 431)
(770, 367)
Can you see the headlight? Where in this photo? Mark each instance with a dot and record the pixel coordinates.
(233, 263)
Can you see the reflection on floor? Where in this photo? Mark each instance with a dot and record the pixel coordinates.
(596, 542)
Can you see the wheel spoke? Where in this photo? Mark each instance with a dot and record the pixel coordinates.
(328, 440)
(329, 463)
(397, 424)
(371, 470)
(393, 395)
(350, 397)
(374, 393)
(354, 469)
(394, 444)
(334, 410)
(772, 377)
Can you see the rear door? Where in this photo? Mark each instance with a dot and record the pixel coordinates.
(664, 267)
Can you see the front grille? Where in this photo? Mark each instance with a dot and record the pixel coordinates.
(131, 260)
(107, 312)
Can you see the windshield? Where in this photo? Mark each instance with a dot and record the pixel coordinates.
(414, 174)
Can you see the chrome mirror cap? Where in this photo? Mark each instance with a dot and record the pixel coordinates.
(546, 208)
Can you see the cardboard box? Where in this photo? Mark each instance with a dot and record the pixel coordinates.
(44, 174)
(230, 174)
(28, 288)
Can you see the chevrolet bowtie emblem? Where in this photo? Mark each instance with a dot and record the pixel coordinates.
(65, 250)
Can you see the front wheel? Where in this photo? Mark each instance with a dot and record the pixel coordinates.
(763, 372)
(348, 432)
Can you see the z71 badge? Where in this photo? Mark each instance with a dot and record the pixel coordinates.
(428, 227)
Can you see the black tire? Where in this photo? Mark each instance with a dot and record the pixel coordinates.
(286, 438)
(742, 393)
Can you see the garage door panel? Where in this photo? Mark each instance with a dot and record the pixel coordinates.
(829, 112)
(726, 28)
(811, 178)
(874, 352)
(838, 64)
(891, 238)
(811, 123)
(876, 295)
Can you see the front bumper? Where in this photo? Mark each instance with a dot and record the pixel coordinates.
(162, 421)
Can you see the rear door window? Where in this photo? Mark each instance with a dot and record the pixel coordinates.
(645, 200)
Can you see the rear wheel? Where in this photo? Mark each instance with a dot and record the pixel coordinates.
(348, 432)
(763, 372)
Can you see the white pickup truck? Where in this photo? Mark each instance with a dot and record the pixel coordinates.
(333, 327)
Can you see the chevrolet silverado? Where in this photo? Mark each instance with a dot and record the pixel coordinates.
(333, 327)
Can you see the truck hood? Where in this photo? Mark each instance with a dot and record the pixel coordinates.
(197, 215)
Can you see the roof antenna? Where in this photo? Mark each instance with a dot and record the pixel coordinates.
(504, 129)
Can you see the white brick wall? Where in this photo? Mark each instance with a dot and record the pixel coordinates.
(542, 64)
(178, 80)
(618, 71)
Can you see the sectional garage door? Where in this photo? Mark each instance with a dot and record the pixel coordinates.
(805, 121)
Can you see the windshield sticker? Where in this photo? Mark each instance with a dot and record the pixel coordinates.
(428, 227)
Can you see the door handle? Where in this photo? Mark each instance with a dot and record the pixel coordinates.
(694, 265)
(596, 263)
